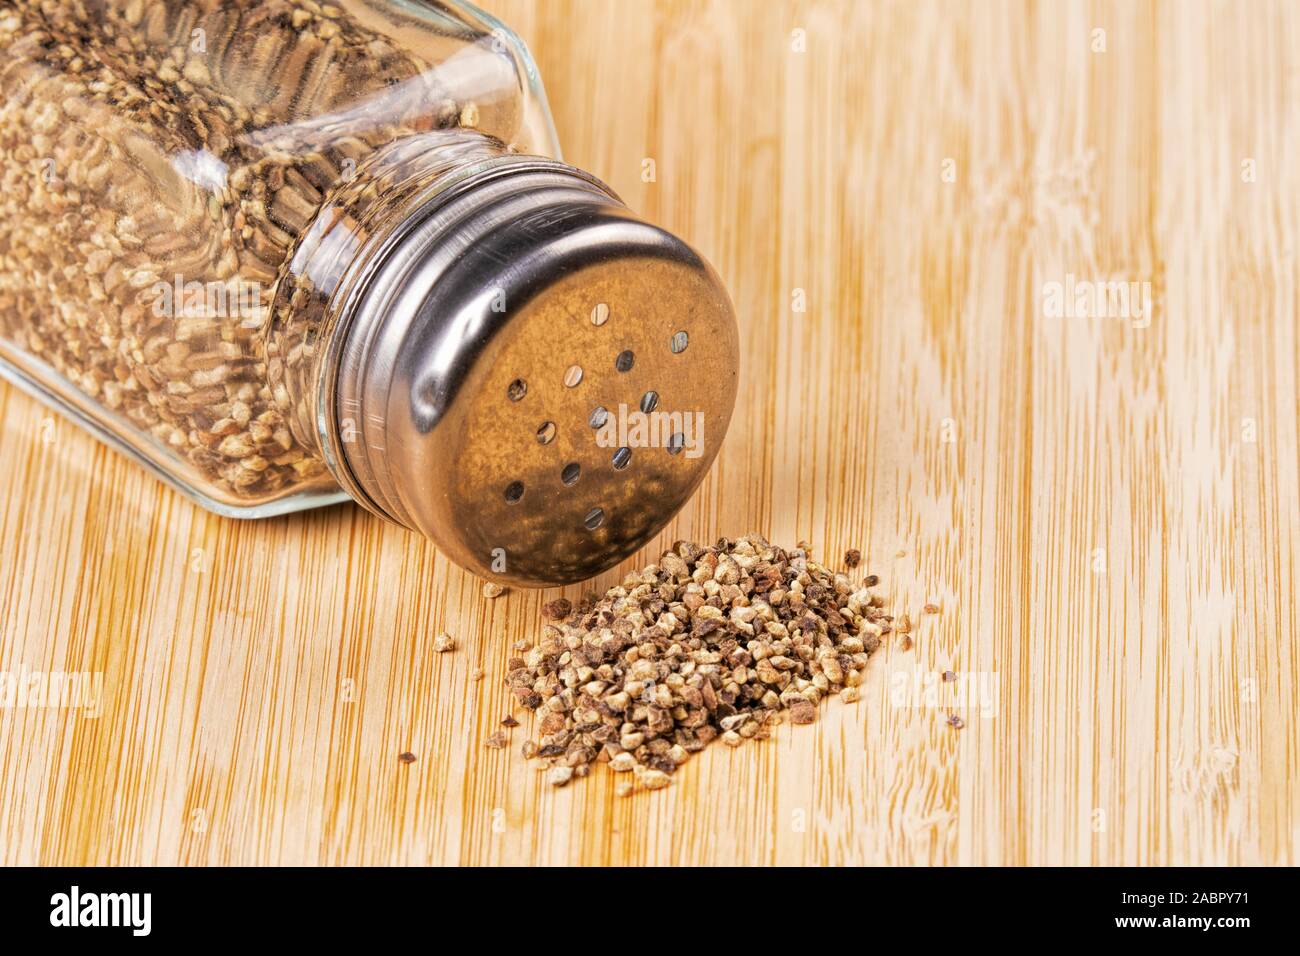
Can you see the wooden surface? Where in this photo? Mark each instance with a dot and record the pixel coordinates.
(1107, 513)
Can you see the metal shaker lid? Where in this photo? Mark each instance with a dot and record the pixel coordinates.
(534, 378)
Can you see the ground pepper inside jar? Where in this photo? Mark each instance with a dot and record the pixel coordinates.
(153, 194)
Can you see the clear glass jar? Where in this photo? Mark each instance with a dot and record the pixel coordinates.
(233, 244)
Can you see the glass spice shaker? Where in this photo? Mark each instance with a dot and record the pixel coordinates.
(287, 253)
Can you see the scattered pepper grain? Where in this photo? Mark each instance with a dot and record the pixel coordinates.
(558, 609)
(559, 776)
(655, 779)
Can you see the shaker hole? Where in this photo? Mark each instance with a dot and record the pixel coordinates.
(649, 402)
(514, 491)
(516, 390)
(571, 472)
(594, 519)
(598, 416)
(621, 458)
(676, 441)
(679, 342)
(600, 314)
(573, 375)
(624, 361)
(545, 433)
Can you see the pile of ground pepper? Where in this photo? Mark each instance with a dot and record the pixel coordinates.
(710, 642)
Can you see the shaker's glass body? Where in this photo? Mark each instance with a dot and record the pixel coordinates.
(179, 176)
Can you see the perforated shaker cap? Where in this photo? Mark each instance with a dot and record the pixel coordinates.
(537, 380)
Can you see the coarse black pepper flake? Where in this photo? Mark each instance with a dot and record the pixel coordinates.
(557, 610)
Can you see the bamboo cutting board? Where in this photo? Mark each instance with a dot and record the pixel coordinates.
(1105, 510)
